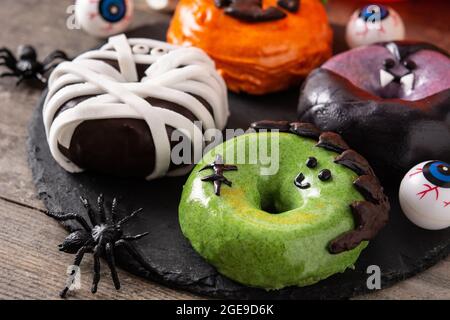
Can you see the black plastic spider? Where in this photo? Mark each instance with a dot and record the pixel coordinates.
(27, 66)
(100, 240)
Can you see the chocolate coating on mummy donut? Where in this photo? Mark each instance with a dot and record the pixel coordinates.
(114, 110)
(371, 215)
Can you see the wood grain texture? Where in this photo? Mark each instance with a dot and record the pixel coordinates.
(32, 268)
(30, 265)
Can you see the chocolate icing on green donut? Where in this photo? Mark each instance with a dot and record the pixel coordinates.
(370, 215)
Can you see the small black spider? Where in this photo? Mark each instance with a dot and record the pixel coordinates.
(217, 177)
(100, 239)
(27, 66)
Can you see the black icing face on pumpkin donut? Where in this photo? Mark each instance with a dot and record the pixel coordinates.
(253, 11)
(391, 101)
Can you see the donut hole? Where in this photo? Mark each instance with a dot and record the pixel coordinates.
(272, 200)
(270, 206)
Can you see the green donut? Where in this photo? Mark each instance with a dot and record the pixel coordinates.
(263, 230)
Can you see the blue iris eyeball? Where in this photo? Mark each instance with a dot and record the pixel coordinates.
(112, 10)
(438, 173)
(374, 12)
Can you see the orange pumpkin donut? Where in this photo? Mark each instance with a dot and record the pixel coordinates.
(259, 46)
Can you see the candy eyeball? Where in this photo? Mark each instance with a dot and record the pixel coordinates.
(425, 195)
(374, 23)
(104, 18)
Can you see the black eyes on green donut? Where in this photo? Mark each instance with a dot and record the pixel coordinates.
(325, 175)
(389, 63)
(299, 182)
(311, 162)
(409, 64)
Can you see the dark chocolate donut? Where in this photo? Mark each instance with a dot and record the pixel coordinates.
(114, 110)
(390, 101)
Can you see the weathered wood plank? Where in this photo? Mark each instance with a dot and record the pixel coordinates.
(32, 267)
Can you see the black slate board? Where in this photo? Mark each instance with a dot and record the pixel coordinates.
(400, 250)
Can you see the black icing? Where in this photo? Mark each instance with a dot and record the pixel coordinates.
(253, 11)
(311, 162)
(325, 175)
(289, 5)
(300, 183)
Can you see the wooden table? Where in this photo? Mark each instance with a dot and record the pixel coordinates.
(31, 267)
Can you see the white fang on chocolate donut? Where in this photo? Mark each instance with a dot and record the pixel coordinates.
(109, 85)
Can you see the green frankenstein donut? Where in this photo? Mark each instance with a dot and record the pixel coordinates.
(303, 224)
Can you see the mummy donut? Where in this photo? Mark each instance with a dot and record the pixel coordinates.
(425, 195)
(122, 109)
(374, 23)
(104, 18)
(390, 100)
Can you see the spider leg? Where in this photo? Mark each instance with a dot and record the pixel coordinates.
(5, 63)
(114, 210)
(6, 51)
(57, 54)
(70, 216)
(8, 61)
(49, 67)
(136, 237)
(133, 214)
(8, 74)
(8, 55)
(112, 264)
(89, 210)
(133, 253)
(19, 81)
(41, 78)
(101, 207)
(79, 256)
(96, 278)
